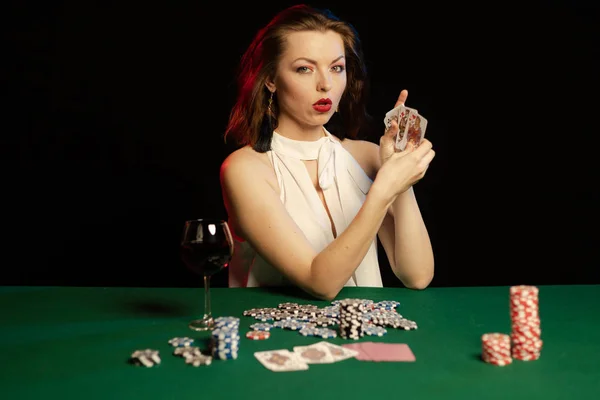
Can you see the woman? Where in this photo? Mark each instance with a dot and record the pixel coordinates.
(305, 205)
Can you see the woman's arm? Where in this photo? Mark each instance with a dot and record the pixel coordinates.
(403, 233)
(265, 223)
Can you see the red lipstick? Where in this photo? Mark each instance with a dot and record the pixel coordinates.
(322, 105)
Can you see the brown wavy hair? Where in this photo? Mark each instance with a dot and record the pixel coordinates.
(249, 121)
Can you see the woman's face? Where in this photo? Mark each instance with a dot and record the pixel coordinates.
(310, 78)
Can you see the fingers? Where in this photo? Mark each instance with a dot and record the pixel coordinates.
(401, 98)
(392, 130)
(422, 149)
(427, 158)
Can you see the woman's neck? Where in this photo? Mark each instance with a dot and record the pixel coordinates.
(300, 133)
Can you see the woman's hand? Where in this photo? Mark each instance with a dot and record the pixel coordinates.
(403, 169)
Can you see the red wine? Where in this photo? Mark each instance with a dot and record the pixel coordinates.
(206, 258)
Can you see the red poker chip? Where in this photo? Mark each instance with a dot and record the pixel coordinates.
(258, 335)
(524, 290)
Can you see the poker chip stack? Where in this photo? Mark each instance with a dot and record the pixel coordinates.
(495, 349)
(525, 322)
(351, 317)
(226, 338)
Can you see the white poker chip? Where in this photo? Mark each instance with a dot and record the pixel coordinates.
(373, 330)
(261, 326)
(181, 341)
(198, 359)
(147, 357)
(187, 351)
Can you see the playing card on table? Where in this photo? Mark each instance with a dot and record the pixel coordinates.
(378, 351)
(339, 353)
(281, 360)
(361, 354)
(416, 127)
(317, 353)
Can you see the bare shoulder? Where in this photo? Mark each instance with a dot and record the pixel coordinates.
(244, 163)
(365, 153)
(246, 176)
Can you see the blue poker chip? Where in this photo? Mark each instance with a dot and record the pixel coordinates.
(231, 339)
(292, 324)
(373, 330)
(261, 326)
(325, 333)
(227, 347)
(279, 324)
(227, 322)
(387, 304)
(302, 317)
(181, 341)
(224, 355)
(263, 317)
(331, 311)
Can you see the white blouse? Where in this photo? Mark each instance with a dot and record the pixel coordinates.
(345, 186)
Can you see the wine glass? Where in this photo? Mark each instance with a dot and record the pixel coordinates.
(206, 248)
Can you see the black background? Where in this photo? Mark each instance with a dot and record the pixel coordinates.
(115, 117)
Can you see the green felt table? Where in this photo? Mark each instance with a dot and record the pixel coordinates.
(74, 343)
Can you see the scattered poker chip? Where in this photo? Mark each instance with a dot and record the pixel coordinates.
(198, 359)
(288, 306)
(323, 321)
(307, 307)
(252, 312)
(258, 335)
(147, 357)
(324, 333)
(187, 351)
(350, 318)
(386, 304)
(406, 324)
(279, 324)
(263, 326)
(263, 317)
(181, 341)
(283, 314)
(374, 330)
(330, 311)
(293, 325)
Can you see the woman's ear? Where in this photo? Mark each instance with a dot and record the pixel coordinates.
(270, 85)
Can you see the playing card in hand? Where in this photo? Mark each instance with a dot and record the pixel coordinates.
(401, 138)
(396, 113)
(411, 125)
(391, 115)
(416, 127)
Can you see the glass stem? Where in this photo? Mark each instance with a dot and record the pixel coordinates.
(207, 311)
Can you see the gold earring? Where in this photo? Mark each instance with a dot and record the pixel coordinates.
(269, 109)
